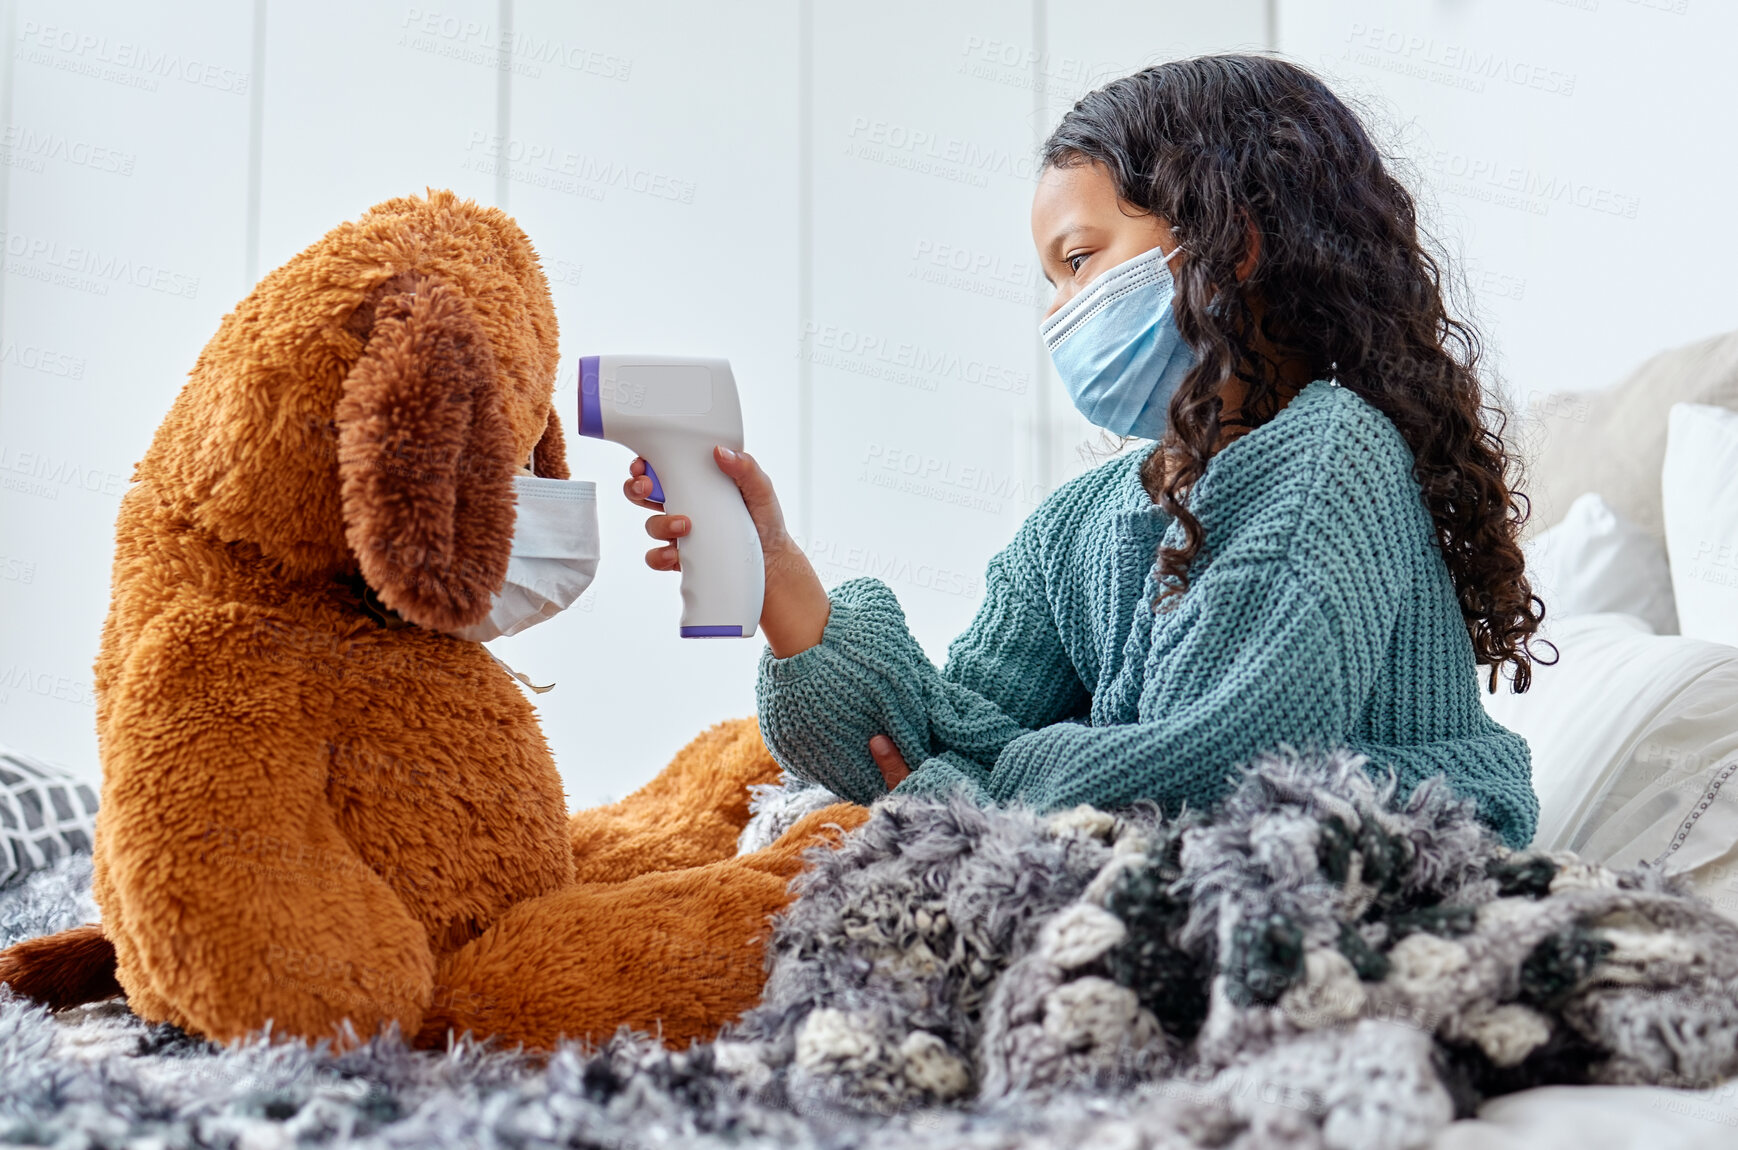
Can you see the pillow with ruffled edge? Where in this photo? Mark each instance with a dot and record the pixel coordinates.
(1634, 740)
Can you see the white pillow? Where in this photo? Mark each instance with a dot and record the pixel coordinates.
(1699, 486)
(1635, 741)
(1594, 562)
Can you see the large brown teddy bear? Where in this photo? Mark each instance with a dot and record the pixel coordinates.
(316, 804)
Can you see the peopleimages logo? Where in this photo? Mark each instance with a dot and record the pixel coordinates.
(516, 49)
(1527, 189)
(87, 268)
(1058, 78)
(46, 684)
(841, 559)
(969, 485)
(932, 153)
(1461, 59)
(27, 143)
(571, 170)
(904, 362)
(135, 65)
(14, 570)
(31, 357)
(37, 473)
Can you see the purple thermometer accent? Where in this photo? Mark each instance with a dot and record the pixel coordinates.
(735, 631)
(591, 416)
(590, 408)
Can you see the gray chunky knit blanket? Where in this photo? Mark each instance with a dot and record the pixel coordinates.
(1313, 965)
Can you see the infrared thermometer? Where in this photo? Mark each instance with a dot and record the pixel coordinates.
(671, 410)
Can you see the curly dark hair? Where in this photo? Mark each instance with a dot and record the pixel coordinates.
(1220, 146)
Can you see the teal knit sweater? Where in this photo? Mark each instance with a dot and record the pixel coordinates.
(1319, 613)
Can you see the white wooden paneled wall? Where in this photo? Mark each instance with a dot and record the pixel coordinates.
(834, 196)
(1574, 154)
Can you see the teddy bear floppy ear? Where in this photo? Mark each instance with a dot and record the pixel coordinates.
(549, 458)
(425, 455)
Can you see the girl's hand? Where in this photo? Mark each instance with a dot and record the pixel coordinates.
(795, 609)
(888, 758)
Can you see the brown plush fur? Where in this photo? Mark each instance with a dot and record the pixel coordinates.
(316, 805)
(65, 969)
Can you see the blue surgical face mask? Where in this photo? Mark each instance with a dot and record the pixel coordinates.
(1117, 347)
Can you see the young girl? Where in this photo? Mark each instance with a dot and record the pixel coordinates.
(1319, 550)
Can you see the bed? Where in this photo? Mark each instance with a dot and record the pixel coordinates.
(1634, 732)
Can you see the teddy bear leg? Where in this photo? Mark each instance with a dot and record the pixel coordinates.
(689, 815)
(340, 953)
(675, 952)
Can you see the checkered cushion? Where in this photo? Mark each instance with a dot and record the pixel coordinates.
(45, 814)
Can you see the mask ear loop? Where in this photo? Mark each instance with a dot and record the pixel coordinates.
(519, 675)
(1064, 318)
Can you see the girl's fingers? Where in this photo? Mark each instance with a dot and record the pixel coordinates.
(638, 490)
(638, 485)
(756, 488)
(888, 759)
(667, 526)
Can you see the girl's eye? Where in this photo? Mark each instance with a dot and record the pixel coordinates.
(1074, 261)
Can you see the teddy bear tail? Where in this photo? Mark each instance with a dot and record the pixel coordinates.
(59, 970)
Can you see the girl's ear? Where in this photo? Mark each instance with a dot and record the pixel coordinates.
(425, 457)
(550, 457)
(1251, 248)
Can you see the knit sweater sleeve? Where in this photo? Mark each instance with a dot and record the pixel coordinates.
(1007, 673)
(1490, 767)
(1249, 658)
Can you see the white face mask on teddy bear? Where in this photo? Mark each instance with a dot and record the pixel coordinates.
(553, 560)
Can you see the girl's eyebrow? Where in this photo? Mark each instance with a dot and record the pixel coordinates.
(1058, 244)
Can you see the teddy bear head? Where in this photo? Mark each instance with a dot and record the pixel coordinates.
(365, 408)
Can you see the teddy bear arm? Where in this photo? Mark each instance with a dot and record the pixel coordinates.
(690, 814)
(236, 898)
(679, 952)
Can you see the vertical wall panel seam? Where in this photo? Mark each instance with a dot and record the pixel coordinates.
(805, 263)
(256, 106)
(503, 97)
(6, 176)
(1041, 422)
